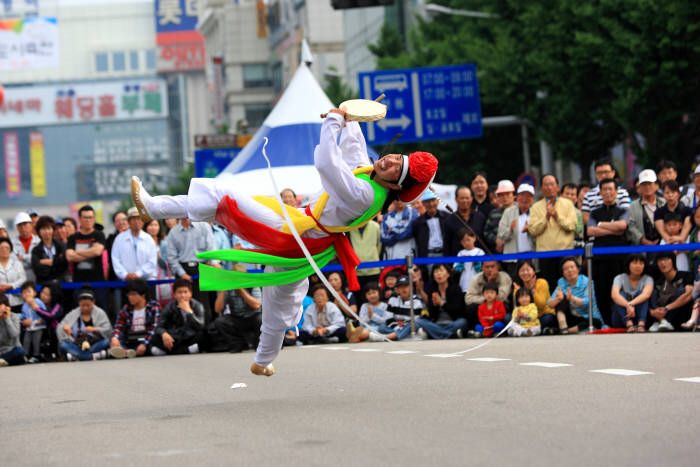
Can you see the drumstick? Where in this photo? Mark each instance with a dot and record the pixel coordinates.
(378, 99)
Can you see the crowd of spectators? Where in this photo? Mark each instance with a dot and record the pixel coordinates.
(44, 318)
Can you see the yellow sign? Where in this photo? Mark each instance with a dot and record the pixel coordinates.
(36, 164)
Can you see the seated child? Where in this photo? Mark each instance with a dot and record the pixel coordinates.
(673, 224)
(390, 280)
(491, 313)
(525, 320)
(399, 325)
(467, 238)
(33, 324)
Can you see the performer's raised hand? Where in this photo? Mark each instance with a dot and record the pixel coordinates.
(338, 111)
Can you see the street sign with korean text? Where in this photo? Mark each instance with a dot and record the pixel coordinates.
(424, 104)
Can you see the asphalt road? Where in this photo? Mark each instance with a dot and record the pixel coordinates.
(359, 405)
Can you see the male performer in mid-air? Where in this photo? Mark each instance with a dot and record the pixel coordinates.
(355, 192)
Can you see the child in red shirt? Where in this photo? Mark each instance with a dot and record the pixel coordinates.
(491, 313)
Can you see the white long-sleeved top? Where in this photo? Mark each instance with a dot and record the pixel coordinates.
(335, 317)
(137, 255)
(13, 273)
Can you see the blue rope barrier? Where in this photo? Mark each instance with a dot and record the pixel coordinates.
(608, 250)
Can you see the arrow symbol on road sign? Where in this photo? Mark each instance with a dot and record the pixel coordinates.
(403, 122)
(397, 82)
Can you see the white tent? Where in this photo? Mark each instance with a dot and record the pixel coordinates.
(293, 129)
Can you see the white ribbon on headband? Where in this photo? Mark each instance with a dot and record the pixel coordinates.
(404, 170)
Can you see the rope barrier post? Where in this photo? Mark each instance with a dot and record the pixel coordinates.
(409, 270)
(588, 255)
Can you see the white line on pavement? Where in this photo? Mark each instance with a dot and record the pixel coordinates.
(621, 372)
(488, 359)
(695, 379)
(546, 364)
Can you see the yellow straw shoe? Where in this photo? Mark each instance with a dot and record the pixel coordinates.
(268, 370)
(137, 194)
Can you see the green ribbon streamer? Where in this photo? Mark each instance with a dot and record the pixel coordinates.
(214, 279)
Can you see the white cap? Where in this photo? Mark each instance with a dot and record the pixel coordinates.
(2, 224)
(525, 187)
(132, 212)
(505, 186)
(647, 175)
(697, 171)
(22, 217)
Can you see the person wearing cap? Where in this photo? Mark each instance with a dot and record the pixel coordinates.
(465, 214)
(355, 192)
(34, 216)
(59, 230)
(134, 253)
(430, 228)
(84, 249)
(25, 242)
(641, 230)
(552, 224)
(397, 231)
(691, 198)
(49, 257)
(512, 228)
(84, 333)
(506, 198)
(603, 169)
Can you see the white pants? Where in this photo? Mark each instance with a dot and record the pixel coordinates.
(517, 330)
(281, 304)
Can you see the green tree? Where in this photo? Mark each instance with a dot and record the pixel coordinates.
(336, 88)
(585, 73)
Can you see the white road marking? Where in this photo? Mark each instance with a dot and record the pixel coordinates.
(546, 364)
(442, 355)
(366, 350)
(621, 372)
(488, 359)
(695, 379)
(238, 385)
(402, 352)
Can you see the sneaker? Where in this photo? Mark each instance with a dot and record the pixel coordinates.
(117, 352)
(375, 337)
(268, 370)
(70, 357)
(194, 348)
(460, 333)
(473, 333)
(131, 353)
(157, 351)
(3, 362)
(33, 360)
(528, 332)
(140, 197)
(101, 355)
(665, 326)
(655, 327)
(332, 340)
(511, 332)
(421, 333)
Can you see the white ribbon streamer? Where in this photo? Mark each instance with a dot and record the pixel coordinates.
(306, 252)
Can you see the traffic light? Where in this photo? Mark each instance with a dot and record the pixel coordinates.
(345, 4)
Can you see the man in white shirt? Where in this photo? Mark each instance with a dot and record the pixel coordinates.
(134, 253)
(692, 195)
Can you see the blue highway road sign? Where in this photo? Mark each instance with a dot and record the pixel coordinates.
(424, 104)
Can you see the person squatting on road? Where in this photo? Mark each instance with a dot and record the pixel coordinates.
(355, 192)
